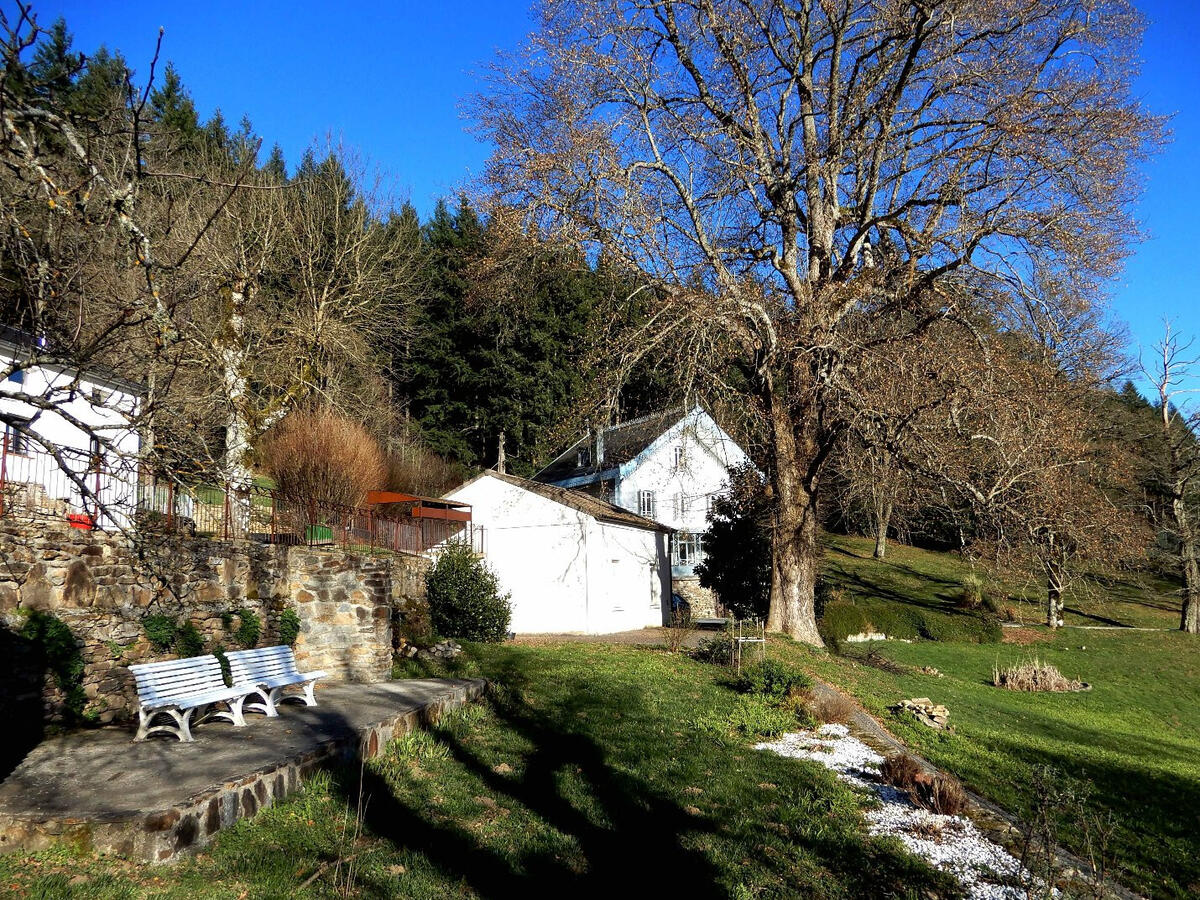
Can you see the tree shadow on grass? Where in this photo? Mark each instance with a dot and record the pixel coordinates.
(632, 836)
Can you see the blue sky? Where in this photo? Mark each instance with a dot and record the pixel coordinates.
(389, 78)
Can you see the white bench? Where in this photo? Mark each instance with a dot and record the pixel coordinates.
(183, 689)
(272, 669)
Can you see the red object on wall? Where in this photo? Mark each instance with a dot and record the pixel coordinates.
(82, 521)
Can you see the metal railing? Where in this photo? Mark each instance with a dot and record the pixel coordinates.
(118, 494)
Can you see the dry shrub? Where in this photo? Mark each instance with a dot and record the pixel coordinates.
(941, 794)
(412, 468)
(680, 629)
(320, 455)
(832, 708)
(1033, 675)
(900, 771)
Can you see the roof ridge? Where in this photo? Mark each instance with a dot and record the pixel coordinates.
(659, 414)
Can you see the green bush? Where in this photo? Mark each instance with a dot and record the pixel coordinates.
(841, 619)
(715, 650)
(218, 651)
(188, 641)
(62, 657)
(823, 595)
(900, 622)
(772, 679)
(160, 631)
(289, 627)
(249, 628)
(464, 597)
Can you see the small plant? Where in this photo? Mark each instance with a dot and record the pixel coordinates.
(160, 631)
(464, 596)
(941, 794)
(771, 678)
(289, 627)
(679, 630)
(900, 771)
(218, 651)
(832, 708)
(970, 592)
(188, 641)
(750, 716)
(1034, 675)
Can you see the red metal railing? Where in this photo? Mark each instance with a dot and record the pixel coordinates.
(117, 494)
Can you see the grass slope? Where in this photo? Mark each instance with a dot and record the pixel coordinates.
(1135, 737)
(593, 771)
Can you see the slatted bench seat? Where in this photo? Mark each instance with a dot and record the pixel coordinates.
(186, 690)
(272, 669)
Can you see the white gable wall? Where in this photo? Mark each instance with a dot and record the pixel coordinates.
(681, 491)
(629, 577)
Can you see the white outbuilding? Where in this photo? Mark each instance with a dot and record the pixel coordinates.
(573, 563)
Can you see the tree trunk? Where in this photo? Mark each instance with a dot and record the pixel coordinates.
(795, 554)
(1054, 590)
(1189, 619)
(882, 518)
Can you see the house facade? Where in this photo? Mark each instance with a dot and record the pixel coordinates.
(668, 467)
(67, 434)
(571, 562)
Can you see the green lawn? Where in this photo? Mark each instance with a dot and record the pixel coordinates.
(1135, 737)
(592, 771)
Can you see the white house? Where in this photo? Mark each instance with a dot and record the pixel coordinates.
(63, 427)
(572, 562)
(668, 467)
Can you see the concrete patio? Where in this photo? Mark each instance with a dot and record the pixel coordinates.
(99, 790)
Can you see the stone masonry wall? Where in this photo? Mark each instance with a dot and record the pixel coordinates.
(102, 586)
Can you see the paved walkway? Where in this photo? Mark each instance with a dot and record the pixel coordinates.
(159, 797)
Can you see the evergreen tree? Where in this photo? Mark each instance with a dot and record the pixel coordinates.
(175, 114)
(55, 65)
(276, 166)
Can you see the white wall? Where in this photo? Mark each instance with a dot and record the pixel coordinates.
(682, 491)
(566, 571)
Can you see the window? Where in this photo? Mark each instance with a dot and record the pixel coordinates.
(679, 457)
(16, 438)
(95, 454)
(584, 459)
(687, 549)
(647, 504)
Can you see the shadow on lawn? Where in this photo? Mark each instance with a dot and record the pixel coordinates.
(630, 832)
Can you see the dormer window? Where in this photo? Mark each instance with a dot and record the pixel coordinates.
(584, 459)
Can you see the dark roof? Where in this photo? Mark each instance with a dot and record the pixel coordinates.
(40, 354)
(600, 510)
(621, 442)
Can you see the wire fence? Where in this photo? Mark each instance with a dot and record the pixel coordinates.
(109, 493)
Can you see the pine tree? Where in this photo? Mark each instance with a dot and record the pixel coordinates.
(175, 114)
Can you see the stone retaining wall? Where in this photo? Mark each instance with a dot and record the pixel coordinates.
(102, 586)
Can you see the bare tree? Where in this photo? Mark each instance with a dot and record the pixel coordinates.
(791, 175)
(1174, 366)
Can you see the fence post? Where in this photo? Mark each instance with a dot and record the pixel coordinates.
(170, 504)
(274, 536)
(225, 522)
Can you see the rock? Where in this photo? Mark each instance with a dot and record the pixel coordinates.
(926, 712)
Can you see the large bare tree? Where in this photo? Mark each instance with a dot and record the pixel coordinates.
(798, 178)
(1175, 366)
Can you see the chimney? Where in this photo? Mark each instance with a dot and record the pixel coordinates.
(500, 455)
(599, 447)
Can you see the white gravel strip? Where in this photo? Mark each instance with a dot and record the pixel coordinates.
(951, 843)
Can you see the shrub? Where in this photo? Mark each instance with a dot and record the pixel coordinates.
(188, 641)
(832, 708)
(218, 651)
(941, 794)
(1033, 675)
(679, 630)
(289, 627)
(737, 547)
(61, 654)
(771, 678)
(900, 770)
(464, 596)
(318, 454)
(416, 625)
(715, 650)
(160, 631)
(823, 594)
(900, 622)
(249, 628)
(970, 592)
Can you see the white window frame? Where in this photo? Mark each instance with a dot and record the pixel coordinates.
(680, 457)
(18, 441)
(693, 541)
(647, 504)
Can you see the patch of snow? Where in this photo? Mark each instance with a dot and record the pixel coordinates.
(950, 843)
